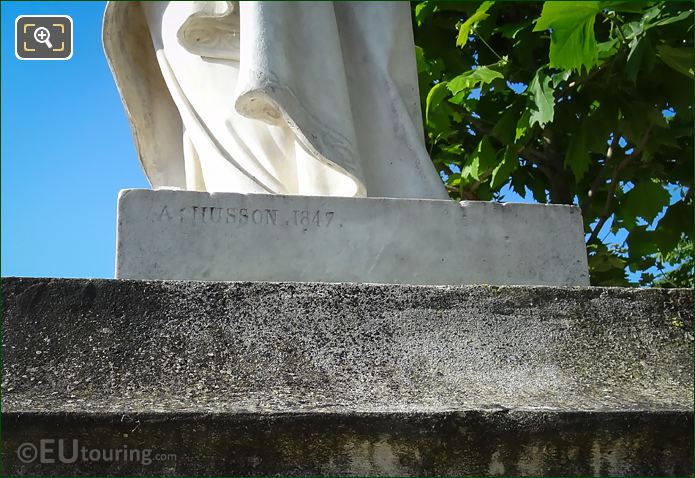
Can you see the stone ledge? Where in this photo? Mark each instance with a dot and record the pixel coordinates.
(262, 378)
(454, 443)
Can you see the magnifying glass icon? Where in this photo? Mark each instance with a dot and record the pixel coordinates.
(42, 35)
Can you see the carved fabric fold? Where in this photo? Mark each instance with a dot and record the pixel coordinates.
(312, 98)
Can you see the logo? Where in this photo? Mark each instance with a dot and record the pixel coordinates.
(27, 452)
(43, 37)
(61, 450)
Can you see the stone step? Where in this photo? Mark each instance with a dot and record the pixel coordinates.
(345, 379)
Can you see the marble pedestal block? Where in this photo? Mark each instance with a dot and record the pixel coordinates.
(186, 235)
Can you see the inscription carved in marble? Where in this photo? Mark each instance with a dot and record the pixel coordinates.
(204, 215)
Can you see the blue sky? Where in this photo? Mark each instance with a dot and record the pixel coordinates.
(66, 152)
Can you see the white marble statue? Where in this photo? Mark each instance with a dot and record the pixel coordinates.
(309, 98)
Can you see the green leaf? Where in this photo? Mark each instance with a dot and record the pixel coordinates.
(646, 200)
(483, 158)
(677, 18)
(640, 241)
(462, 99)
(641, 53)
(680, 59)
(638, 117)
(572, 38)
(503, 170)
(519, 182)
(677, 220)
(652, 13)
(630, 6)
(454, 180)
(605, 261)
(577, 157)
(523, 125)
(541, 93)
(559, 78)
(625, 218)
(472, 78)
(513, 29)
(645, 263)
(422, 66)
(608, 48)
(504, 129)
(602, 123)
(632, 30)
(538, 188)
(465, 28)
(423, 11)
(453, 150)
(434, 98)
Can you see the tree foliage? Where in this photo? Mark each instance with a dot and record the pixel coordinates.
(586, 103)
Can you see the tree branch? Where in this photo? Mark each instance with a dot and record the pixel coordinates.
(530, 155)
(599, 177)
(607, 208)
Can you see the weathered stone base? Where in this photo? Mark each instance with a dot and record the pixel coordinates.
(465, 442)
(320, 379)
